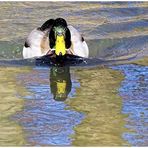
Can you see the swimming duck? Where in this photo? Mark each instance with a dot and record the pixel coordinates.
(55, 36)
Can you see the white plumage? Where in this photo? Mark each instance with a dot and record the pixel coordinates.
(79, 47)
(34, 41)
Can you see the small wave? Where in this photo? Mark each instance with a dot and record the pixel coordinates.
(69, 60)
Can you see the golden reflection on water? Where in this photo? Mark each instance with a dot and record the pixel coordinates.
(143, 61)
(98, 98)
(11, 133)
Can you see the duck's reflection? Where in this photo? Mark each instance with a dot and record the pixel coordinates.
(47, 122)
(60, 82)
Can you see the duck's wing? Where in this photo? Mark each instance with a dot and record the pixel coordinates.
(79, 46)
(37, 42)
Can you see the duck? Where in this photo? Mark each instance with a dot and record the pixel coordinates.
(55, 36)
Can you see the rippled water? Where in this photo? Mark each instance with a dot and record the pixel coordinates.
(134, 91)
(45, 119)
(76, 106)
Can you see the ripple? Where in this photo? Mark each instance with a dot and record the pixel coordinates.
(134, 91)
(44, 120)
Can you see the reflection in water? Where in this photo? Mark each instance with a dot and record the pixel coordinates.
(60, 82)
(134, 91)
(47, 121)
(11, 133)
(117, 30)
(110, 119)
(98, 98)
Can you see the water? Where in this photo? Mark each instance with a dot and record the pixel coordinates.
(100, 103)
(134, 91)
(44, 116)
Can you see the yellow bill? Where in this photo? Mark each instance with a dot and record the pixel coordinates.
(61, 87)
(60, 48)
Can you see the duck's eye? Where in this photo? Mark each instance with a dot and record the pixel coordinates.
(59, 33)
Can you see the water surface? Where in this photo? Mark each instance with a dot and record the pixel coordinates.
(104, 104)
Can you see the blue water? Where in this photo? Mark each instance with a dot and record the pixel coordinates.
(115, 29)
(134, 92)
(45, 120)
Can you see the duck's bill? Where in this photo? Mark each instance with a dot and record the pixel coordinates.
(60, 48)
(61, 91)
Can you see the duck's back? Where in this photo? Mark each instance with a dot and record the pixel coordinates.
(36, 44)
(79, 45)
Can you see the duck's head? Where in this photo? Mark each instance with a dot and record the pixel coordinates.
(59, 37)
(60, 82)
